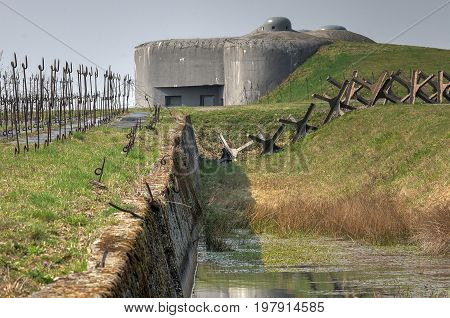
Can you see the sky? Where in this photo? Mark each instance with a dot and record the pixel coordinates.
(105, 32)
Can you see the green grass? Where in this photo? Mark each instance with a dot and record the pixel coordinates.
(294, 250)
(49, 211)
(391, 147)
(340, 59)
(373, 174)
(237, 121)
(382, 169)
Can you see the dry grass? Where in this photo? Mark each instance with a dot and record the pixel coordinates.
(433, 230)
(225, 196)
(375, 218)
(12, 287)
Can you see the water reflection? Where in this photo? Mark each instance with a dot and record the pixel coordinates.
(243, 274)
(213, 281)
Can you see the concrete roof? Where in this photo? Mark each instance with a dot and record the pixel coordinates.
(185, 43)
(340, 35)
(325, 35)
(333, 27)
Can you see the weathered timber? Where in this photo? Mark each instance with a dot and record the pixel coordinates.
(352, 89)
(335, 103)
(416, 86)
(376, 89)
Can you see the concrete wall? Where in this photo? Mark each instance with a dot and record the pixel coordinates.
(155, 256)
(177, 63)
(246, 67)
(260, 62)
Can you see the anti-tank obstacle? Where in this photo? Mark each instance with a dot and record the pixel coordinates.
(230, 154)
(268, 143)
(301, 126)
(430, 89)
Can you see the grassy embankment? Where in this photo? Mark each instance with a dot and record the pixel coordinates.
(378, 175)
(49, 211)
(342, 58)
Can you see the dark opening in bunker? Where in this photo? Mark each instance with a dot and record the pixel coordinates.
(207, 100)
(173, 101)
(204, 95)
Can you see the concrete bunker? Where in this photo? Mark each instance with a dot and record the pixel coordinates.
(227, 71)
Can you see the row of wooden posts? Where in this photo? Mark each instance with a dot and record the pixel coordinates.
(431, 89)
(351, 96)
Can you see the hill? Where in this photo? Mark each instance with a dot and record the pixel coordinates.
(379, 174)
(341, 58)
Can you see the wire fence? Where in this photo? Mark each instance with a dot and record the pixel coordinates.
(56, 101)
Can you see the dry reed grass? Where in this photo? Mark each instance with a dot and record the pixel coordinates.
(375, 218)
(432, 230)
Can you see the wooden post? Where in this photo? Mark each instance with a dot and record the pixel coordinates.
(443, 89)
(352, 89)
(376, 89)
(396, 77)
(416, 86)
(335, 103)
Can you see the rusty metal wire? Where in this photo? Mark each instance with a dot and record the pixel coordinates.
(55, 102)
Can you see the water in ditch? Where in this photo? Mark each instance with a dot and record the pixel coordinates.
(269, 266)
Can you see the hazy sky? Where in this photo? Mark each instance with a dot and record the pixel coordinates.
(106, 31)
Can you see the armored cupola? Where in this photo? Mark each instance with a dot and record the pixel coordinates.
(277, 24)
(333, 27)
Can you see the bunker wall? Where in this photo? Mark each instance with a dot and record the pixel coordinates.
(180, 63)
(253, 69)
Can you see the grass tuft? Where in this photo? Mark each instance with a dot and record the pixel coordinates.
(433, 230)
(38, 232)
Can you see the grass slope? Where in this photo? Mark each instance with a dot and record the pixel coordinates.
(49, 211)
(373, 174)
(340, 59)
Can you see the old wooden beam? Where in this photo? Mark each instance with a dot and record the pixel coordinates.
(335, 103)
(376, 89)
(416, 86)
(443, 89)
(352, 89)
